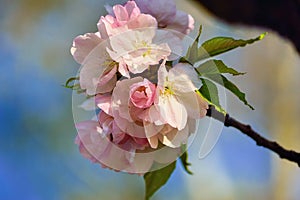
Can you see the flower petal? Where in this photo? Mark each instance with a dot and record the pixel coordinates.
(132, 9)
(153, 141)
(107, 82)
(93, 67)
(88, 104)
(184, 77)
(173, 42)
(163, 10)
(121, 109)
(176, 138)
(172, 111)
(162, 76)
(103, 101)
(182, 23)
(91, 143)
(121, 13)
(195, 105)
(142, 21)
(84, 44)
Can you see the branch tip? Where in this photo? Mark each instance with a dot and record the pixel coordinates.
(228, 121)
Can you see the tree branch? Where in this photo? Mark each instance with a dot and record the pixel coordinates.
(260, 141)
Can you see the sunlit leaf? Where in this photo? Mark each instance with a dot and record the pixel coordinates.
(209, 91)
(223, 81)
(192, 53)
(219, 45)
(156, 179)
(216, 67)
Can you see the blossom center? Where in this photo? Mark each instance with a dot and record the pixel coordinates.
(143, 46)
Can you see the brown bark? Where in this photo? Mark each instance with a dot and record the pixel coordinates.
(260, 141)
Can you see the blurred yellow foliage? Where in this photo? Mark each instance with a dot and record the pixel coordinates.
(27, 13)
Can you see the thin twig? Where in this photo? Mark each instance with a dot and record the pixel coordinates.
(228, 121)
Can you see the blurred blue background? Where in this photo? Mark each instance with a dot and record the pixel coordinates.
(38, 157)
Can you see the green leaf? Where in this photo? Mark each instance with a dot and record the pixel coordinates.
(73, 85)
(210, 92)
(69, 81)
(185, 163)
(213, 70)
(192, 53)
(219, 45)
(223, 81)
(216, 67)
(156, 179)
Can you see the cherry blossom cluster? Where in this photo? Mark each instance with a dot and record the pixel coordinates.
(146, 105)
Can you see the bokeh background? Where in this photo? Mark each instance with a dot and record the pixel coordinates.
(38, 157)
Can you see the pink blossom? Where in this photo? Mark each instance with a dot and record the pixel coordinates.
(115, 151)
(136, 115)
(110, 128)
(88, 139)
(168, 17)
(98, 72)
(124, 18)
(136, 49)
(176, 87)
(173, 137)
(119, 152)
(84, 44)
(107, 81)
(183, 23)
(142, 94)
(168, 135)
(126, 115)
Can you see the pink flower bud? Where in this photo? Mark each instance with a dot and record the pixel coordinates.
(142, 94)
